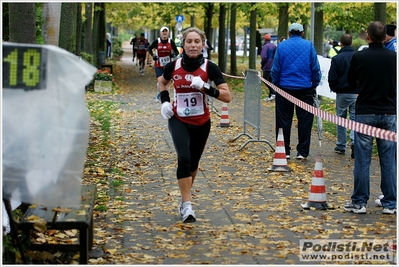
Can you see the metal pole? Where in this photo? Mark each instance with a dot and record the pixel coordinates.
(312, 23)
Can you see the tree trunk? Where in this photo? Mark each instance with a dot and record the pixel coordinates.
(208, 23)
(380, 13)
(78, 29)
(67, 38)
(222, 57)
(102, 29)
(283, 20)
(318, 28)
(252, 39)
(233, 56)
(88, 33)
(22, 23)
(51, 14)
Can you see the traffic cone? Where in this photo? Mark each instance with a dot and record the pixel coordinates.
(280, 157)
(317, 196)
(224, 117)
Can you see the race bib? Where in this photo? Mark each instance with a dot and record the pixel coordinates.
(141, 47)
(190, 104)
(164, 60)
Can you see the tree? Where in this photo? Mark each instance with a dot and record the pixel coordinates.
(88, 39)
(99, 33)
(252, 38)
(51, 13)
(78, 28)
(208, 23)
(222, 57)
(67, 37)
(380, 12)
(233, 57)
(283, 19)
(318, 28)
(22, 23)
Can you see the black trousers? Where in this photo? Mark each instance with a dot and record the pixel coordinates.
(189, 141)
(285, 114)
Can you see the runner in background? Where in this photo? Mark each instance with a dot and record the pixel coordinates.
(142, 44)
(133, 42)
(165, 51)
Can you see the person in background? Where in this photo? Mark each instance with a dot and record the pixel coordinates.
(207, 49)
(188, 113)
(109, 45)
(334, 48)
(267, 56)
(296, 71)
(281, 39)
(373, 73)
(345, 95)
(165, 51)
(390, 40)
(133, 42)
(142, 46)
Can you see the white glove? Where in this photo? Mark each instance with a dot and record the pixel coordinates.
(167, 110)
(197, 83)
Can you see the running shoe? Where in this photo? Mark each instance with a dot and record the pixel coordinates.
(378, 201)
(339, 151)
(188, 213)
(299, 156)
(355, 208)
(389, 211)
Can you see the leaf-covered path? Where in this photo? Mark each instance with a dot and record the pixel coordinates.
(245, 214)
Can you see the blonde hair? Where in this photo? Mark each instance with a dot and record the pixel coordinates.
(193, 29)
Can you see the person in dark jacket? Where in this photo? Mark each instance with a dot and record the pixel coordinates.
(373, 73)
(346, 96)
(267, 55)
(295, 70)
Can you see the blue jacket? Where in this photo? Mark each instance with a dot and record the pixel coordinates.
(295, 65)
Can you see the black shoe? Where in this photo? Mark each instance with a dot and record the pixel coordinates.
(339, 151)
(353, 151)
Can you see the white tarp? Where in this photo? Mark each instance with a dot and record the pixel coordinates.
(323, 88)
(45, 130)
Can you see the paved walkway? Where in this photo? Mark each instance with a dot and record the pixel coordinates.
(245, 214)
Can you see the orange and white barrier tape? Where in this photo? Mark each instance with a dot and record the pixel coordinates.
(349, 124)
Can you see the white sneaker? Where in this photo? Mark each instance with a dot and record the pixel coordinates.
(378, 202)
(188, 213)
(389, 211)
(271, 98)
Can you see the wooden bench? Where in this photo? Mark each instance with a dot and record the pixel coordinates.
(66, 219)
(107, 66)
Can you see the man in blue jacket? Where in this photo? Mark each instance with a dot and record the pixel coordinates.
(295, 70)
(346, 96)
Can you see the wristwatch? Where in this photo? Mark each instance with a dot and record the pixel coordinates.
(207, 86)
